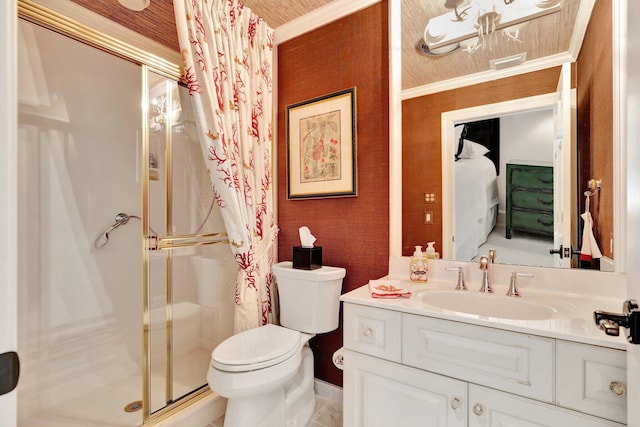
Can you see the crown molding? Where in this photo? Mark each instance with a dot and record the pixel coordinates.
(489, 75)
(317, 18)
(77, 14)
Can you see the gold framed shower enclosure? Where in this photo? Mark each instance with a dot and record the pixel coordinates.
(152, 244)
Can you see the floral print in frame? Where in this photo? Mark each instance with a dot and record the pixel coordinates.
(321, 147)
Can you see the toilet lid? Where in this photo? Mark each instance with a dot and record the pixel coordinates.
(256, 348)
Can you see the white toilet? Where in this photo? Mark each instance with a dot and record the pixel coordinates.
(266, 373)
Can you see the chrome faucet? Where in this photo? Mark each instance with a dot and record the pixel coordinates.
(486, 284)
(460, 285)
(486, 275)
(513, 289)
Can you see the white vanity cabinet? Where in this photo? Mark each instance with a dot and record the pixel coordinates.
(383, 394)
(411, 370)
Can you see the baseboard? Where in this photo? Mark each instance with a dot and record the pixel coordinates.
(328, 391)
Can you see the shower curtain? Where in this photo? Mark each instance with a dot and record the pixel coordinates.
(227, 54)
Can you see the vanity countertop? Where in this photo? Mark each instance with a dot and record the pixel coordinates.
(573, 320)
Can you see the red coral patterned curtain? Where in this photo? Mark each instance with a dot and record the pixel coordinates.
(227, 54)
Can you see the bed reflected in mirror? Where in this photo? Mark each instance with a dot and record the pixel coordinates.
(494, 212)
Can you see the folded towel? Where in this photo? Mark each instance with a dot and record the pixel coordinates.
(387, 289)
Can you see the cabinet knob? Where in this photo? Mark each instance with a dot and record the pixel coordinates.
(367, 332)
(455, 403)
(478, 409)
(617, 388)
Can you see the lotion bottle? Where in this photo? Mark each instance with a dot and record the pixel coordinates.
(431, 253)
(418, 266)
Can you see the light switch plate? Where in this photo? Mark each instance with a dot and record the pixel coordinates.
(428, 217)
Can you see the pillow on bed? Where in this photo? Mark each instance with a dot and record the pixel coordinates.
(460, 132)
(472, 150)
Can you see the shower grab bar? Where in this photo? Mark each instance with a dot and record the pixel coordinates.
(180, 241)
(190, 236)
(157, 242)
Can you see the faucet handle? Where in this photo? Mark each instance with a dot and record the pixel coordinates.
(484, 263)
(513, 288)
(460, 286)
(492, 256)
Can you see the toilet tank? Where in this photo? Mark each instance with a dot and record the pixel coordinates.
(309, 299)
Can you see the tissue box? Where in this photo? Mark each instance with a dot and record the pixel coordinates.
(307, 258)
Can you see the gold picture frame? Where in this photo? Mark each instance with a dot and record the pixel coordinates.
(321, 147)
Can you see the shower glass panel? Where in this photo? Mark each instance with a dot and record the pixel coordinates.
(191, 288)
(84, 157)
(203, 277)
(80, 307)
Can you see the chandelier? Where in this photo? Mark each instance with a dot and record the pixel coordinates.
(474, 24)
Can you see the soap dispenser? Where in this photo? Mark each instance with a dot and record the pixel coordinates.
(418, 266)
(431, 253)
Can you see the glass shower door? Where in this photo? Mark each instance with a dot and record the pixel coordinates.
(191, 269)
(79, 307)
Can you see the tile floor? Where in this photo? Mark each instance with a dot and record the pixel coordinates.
(328, 413)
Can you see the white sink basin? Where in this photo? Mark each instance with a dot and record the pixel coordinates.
(489, 305)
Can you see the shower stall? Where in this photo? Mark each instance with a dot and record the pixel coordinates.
(126, 279)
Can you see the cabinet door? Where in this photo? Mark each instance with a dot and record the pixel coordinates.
(492, 408)
(592, 379)
(378, 393)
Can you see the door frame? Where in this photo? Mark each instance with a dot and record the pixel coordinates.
(8, 195)
(626, 127)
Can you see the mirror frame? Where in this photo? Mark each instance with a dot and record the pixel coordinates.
(619, 134)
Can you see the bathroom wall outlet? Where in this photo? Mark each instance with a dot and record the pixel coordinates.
(429, 197)
(428, 217)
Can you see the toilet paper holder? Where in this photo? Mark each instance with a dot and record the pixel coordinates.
(338, 358)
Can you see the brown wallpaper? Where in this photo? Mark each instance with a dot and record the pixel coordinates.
(595, 118)
(353, 231)
(421, 153)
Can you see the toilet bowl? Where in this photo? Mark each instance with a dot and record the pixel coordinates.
(266, 373)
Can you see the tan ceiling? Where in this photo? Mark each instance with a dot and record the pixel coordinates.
(542, 37)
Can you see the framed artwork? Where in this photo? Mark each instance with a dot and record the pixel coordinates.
(321, 146)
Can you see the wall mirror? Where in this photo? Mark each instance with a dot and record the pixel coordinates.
(521, 142)
(427, 73)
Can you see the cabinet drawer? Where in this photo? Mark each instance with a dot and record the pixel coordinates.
(535, 222)
(532, 200)
(532, 177)
(514, 362)
(373, 331)
(592, 379)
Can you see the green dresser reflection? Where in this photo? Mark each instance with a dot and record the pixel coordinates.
(529, 198)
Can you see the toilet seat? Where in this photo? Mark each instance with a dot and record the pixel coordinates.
(256, 348)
